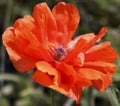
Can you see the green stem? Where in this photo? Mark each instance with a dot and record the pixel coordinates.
(112, 97)
(91, 97)
(52, 98)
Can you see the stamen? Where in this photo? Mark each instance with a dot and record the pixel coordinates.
(60, 53)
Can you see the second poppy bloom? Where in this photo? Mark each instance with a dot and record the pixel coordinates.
(44, 42)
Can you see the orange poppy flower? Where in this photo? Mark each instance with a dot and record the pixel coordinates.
(43, 41)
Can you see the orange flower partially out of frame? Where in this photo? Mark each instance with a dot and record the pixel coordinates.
(43, 41)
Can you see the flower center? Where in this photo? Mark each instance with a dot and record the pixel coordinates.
(60, 53)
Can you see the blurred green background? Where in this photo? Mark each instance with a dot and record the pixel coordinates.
(17, 89)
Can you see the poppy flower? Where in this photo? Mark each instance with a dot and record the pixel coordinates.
(44, 42)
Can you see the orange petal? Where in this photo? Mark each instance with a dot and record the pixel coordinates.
(79, 47)
(81, 57)
(21, 62)
(25, 40)
(73, 92)
(99, 80)
(90, 74)
(28, 17)
(101, 33)
(51, 71)
(102, 84)
(101, 66)
(98, 47)
(101, 53)
(42, 78)
(67, 18)
(45, 78)
(62, 89)
(76, 93)
(45, 22)
(88, 37)
(78, 61)
(67, 82)
(68, 74)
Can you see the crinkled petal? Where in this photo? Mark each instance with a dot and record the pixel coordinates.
(101, 53)
(79, 47)
(99, 80)
(46, 75)
(26, 41)
(88, 37)
(42, 78)
(83, 45)
(98, 47)
(101, 66)
(78, 61)
(74, 92)
(67, 19)
(21, 61)
(102, 84)
(45, 67)
(90, 73)
(62, 89)
(68, 74)
(45, 23)
(101, 33)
